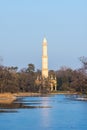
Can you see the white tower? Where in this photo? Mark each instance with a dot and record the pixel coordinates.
(44, 60)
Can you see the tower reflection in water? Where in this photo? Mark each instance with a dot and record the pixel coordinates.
(45, 113)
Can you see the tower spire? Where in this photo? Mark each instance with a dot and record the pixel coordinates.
(44, 59)
(44, 40)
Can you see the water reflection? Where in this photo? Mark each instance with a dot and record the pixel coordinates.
(37, 102)
(77, 97)
(45, 114)
(23, 103)
(34, 113)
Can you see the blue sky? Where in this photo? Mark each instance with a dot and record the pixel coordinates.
(24, 23)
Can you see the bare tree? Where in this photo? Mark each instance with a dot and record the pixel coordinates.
(1, 60)
(84, 62)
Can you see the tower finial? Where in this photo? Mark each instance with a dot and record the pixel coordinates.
(44, 40)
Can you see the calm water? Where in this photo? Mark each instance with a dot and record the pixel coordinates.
(57, 112)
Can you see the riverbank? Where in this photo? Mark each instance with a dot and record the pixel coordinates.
(9, 97)
(64, 92)
(25, 94)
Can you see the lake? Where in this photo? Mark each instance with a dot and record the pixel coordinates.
(56, 112)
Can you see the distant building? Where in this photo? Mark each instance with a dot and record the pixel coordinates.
(44, 59)
(49, 82)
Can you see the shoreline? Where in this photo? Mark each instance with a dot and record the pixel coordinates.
(9, 97)
(65, 92)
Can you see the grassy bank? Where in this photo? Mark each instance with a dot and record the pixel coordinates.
(25, 94)
(63, 92)
(9, 97)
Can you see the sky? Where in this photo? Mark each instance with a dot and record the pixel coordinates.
(24, 24)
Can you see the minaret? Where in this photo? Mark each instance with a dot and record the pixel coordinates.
(44, 60)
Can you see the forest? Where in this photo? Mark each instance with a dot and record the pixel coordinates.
(14, 80)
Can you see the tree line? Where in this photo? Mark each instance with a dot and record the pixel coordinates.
(12, 80)
(73, 80)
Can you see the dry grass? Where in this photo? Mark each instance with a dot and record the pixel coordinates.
(7, 98)
(6, 95)
(26, 94)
